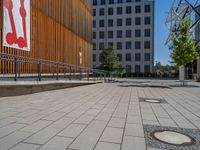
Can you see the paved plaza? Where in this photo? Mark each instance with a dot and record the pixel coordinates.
(107, 116)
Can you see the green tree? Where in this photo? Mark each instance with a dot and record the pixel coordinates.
(108, 59)
(183, 50)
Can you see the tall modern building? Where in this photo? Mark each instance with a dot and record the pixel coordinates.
(128, 26)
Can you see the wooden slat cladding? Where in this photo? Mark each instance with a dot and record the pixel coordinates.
(60, 29)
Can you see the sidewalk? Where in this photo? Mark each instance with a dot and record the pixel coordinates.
(107, 116)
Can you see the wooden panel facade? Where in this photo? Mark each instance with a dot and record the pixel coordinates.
(60, 29)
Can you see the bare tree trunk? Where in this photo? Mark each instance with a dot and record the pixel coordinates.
(182, 75)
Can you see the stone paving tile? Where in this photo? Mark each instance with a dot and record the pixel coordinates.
(75, 113)
(35, 127)
(167, 122)
(107, 146)
(7, 121)
(85, 119)
(72, 131)
(26, 113)
(117, 122)
(136, 143)
(135, 130)
(7, 114)
(13, 139)
(89, 137)
(113, 135)
(62, 123)
(149, 122)
(25, 146)
(42, 136)
(92, 112)
(54, 116)
(150, 117)
(30, 119)
(102, 116)
(57, 143)
(10, 128)
(134, 119)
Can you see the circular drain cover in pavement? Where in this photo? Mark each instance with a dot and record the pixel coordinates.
(152, 101)
(173, 138)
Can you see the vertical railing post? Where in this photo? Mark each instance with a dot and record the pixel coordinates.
(65, 70)
(88, 75)
(94, 76)
(57, 71)
(70, 72)
(40, 71)
(80, 73)
(16, 69)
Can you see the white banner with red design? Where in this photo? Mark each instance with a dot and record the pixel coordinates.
(16, 33)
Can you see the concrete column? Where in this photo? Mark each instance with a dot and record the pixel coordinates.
(198, 70)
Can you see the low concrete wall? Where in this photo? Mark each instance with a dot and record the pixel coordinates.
(16, 90)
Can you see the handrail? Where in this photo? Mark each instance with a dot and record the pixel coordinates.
(58, 65)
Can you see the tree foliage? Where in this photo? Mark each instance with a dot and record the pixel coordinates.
(183, 50)
(164, 68)
(108, 59)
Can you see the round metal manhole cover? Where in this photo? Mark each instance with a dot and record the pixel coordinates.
(173, 138)
(152, 100)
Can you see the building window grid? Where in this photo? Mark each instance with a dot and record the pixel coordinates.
(128, 33)
(137, 21)
(137, 45)
(137, 57)
(110, 34)
(147, 32)
(137, 33)
(119, 10)
(119, 46)
(101, 12)
(119, 34)
(101, 23)
(119, 22)
(128, 21)
(103, 2)
(110, 11)
(94, 46)
(147, 44)
(147, 20)
(128, 45)
(128, 10)
(147, 8)
(146, 57)
(128, 57)
(94, 35)
(110, 22)
(137, 9)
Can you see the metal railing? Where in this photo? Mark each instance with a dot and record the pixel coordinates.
(45, 69)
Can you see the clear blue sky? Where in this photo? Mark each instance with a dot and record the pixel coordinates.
(162, 52)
